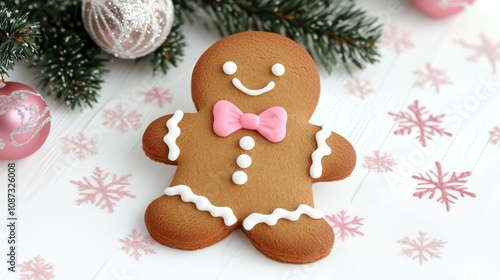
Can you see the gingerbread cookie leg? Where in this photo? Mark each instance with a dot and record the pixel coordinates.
(303, 241)
(179, 224)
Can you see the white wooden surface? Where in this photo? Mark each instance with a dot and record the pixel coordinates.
(86, 242)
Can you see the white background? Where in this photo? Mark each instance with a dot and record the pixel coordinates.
(83, 241)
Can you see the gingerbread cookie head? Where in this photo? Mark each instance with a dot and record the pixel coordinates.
(257, 65)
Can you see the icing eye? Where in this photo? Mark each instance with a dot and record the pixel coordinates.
(278, 69)
(229, 68)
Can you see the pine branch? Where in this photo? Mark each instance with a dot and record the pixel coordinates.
(70, 69)
(332, 31)
(70, 66)
(17, 38)
(185, 9)
(170, 52)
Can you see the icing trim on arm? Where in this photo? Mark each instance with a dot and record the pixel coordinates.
(280, 213)
(173, 133)
(323, 150)
(202, 203)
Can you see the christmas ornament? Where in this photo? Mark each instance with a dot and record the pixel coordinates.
(441, 8)
(24, 120)
(128, 28)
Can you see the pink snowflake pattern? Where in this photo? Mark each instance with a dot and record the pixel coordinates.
(158, 96)
(439, 184)
(495, 135)
(79, 145)
(397, 40)
(360, 88)
(421, 248)
(121, 118)
(427, 126)
(135, 244)
(345, 225)
(379, 163)
(486, 48)
(106, 191)
(432, 76)
(36, 269)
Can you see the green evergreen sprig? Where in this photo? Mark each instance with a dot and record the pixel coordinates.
(334, 32)
(170, 53)
(71, 66)
(17, 38)
(69, 69)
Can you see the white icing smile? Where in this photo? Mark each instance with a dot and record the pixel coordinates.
(252, 92)
(230, 68)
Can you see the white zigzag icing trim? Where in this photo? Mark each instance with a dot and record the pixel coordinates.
(202, 203)
(280, 213)
(173, 133)
(323, 150)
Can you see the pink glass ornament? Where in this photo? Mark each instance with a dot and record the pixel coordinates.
(441, 8)
(24, 121)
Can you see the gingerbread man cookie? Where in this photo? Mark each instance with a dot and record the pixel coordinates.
(248, 157)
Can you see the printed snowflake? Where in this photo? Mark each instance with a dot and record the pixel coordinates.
(432, 76)
(107, 191)
(121, 118)
(360, 88)
(421, 247)
(396, 40)
(443, 186)
(427, 126)
(79, 145)
(135, 244)
(345, 226)
(486, 48)
(379, 163)
(157, 96)
(36, 269)
(495, 135)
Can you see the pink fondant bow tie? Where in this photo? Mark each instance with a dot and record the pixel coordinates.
(228, 118)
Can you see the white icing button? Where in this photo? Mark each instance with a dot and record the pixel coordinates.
(244, 161)
(240, 177)
(278, 69)
(247, 143)
(229, 68)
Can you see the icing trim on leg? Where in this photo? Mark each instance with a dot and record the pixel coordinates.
(280, 213)
(202, 203)
(323, 150)
(173, 133)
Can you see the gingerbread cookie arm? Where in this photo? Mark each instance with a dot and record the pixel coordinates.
(334, 158)
(159, 141)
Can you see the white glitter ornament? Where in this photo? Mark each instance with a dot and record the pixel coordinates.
(128, 28)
